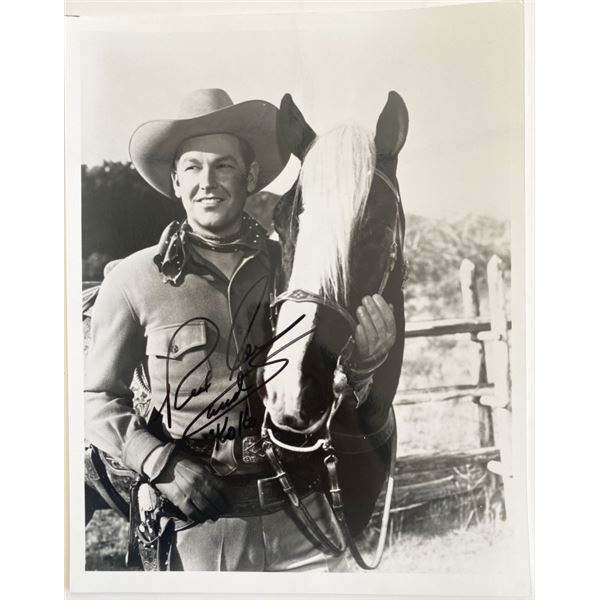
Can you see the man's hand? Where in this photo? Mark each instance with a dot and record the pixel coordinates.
(376, 331)
(192, 487)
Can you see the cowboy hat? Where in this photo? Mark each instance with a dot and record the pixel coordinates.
(153, 144)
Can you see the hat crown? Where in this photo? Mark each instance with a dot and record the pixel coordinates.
(203, 102)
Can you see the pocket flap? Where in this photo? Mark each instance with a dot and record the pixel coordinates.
(180, 338)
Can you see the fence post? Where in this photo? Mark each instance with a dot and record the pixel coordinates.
(500, 372)
(470, 298)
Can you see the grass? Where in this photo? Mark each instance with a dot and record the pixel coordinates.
(458, 550)
(471, 550)
(106, 542)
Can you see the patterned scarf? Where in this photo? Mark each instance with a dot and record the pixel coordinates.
(172, 253)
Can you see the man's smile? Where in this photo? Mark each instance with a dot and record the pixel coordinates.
(209, 201)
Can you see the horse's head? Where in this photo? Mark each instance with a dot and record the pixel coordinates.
(338, 226)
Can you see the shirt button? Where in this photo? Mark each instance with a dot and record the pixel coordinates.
(174, 348)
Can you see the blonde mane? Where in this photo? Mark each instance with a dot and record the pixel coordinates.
(335, 179)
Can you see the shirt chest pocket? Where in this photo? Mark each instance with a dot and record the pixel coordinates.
(180, 355)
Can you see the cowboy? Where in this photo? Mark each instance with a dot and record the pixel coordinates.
(187, 310)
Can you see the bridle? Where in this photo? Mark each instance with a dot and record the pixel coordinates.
(342, 391)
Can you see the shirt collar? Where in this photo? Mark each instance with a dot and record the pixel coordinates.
(173, 252)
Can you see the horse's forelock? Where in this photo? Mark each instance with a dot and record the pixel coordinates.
(335, 179)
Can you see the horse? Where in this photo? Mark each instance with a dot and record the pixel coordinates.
(341, 227)
(343, 219)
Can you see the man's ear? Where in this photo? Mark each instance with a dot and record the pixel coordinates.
(175, 182)
(252, 177)
(293, 132)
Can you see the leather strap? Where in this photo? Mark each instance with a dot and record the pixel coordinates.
(397, 241)
(300, 295)
(337, 506)
(102, 482)
(301, 512)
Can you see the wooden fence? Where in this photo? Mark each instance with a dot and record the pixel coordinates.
(423, 478)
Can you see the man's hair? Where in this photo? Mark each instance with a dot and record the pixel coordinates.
(246, 151)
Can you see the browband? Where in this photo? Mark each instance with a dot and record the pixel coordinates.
(300, 295)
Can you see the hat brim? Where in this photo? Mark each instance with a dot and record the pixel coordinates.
(153, 144)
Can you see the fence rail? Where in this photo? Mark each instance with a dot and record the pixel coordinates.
(477, 326)
(414, 463)
(444, 393)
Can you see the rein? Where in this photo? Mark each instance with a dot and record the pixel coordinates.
(341, 391)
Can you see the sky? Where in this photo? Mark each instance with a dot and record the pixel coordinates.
(459, 70)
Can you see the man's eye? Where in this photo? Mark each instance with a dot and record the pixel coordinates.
(225, 166)
(191, 167)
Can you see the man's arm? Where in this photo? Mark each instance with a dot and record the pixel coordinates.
(111, 423)
(117, 347)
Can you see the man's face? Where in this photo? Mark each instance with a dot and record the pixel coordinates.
(212, 180)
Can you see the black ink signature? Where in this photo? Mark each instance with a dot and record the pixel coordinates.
(224, 431)
(242, 366)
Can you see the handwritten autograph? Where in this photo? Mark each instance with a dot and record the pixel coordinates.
(242, 366)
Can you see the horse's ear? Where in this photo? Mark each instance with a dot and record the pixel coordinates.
(392, 126)
(293, 132)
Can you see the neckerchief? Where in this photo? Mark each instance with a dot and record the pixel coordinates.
(173, 255)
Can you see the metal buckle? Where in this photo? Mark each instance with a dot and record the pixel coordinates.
(252, 450)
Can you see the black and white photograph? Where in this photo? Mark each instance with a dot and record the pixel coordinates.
(296, 299)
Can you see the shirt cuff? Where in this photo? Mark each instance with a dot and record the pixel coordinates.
(156, 461)
(137, 449)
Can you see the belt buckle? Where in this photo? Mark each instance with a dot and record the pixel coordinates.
(252, 451)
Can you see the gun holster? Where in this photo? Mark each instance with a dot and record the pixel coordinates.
(150, 530)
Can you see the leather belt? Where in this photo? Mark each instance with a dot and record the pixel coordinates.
(248, 496)
(248, 452)
(258, 491)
